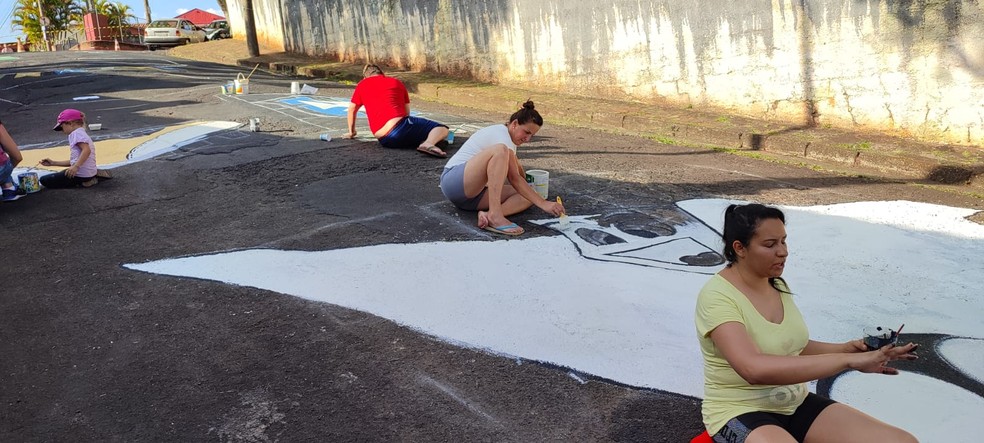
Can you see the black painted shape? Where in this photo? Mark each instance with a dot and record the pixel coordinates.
(703, 259)
(598, 238)
(637, 224)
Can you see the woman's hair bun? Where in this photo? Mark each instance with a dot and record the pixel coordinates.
(528, 105)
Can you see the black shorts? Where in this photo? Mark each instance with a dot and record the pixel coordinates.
(797, 424)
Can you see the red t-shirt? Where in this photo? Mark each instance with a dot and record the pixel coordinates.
(383, 97)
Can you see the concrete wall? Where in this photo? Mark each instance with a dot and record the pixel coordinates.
(913, 67)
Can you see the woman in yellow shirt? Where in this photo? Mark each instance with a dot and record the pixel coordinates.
(758, 356)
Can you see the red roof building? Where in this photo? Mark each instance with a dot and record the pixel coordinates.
(199, 17)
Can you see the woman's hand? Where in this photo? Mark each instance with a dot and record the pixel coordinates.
(47, 162)
(71, 171)
(876, 362)
(553, 208)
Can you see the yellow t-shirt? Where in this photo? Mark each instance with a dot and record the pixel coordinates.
(726, 394)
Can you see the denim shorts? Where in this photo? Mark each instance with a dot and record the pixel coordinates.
(409, 133)
(5, 170)
(453, 187)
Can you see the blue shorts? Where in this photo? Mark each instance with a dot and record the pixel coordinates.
(409, 133)
(453, 187)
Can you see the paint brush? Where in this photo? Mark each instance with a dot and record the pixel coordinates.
(900, 330)
(251, 72)
(564, 222)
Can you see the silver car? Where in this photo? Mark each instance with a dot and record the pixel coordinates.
(172, 32)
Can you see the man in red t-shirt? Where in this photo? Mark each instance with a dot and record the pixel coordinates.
(388, 109)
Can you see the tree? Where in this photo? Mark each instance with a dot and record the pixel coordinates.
(252, 45)
(147, 10)
(222, 6)
(119, 15)
(61, 15)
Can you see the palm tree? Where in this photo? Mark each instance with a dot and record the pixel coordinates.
(119, 16)
(61, 14)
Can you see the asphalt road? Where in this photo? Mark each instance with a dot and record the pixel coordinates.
(92, 351)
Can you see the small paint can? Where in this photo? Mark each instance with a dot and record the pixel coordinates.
(254, 124)
(29, 182)
(326, 137)
(295, 88)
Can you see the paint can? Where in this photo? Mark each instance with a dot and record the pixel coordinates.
(450, 137)
(540, 180)
(254, 124)
(326, 137)
(242, 84)
(295, 88)
(228, 88)
(29, 182)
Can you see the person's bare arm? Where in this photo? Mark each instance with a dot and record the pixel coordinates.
(517, 178)
(819, 347)
(10, 147)
(758, 368)
(353, 111)
(50, 162)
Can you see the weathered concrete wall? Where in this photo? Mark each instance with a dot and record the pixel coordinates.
(269, 17)
(914, 67)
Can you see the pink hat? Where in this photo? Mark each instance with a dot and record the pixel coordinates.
(67, 116)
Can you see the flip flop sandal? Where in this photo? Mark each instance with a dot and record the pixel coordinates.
(433, 151)
(503, 229)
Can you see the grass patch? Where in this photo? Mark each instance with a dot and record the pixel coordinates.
(860, 146)
(723, 119)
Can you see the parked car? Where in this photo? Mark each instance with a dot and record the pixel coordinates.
(218, 29)
(172, 32)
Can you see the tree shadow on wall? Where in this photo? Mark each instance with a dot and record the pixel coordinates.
(916, 15)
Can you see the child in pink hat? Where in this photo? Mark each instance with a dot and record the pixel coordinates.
(81, 165)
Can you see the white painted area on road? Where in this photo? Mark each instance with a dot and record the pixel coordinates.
(608, 313)
(176, 139)
(933, 411)
(115, 152)
(966, 355)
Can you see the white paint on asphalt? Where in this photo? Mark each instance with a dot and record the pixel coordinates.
(608, 311)
(933, 411)
(176, 139)
(966, 355)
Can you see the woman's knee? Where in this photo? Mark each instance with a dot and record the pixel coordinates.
(499, 150)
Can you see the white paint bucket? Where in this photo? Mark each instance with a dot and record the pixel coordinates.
(540, 180)
(242, 84)
(254, 124)
(295, 88)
